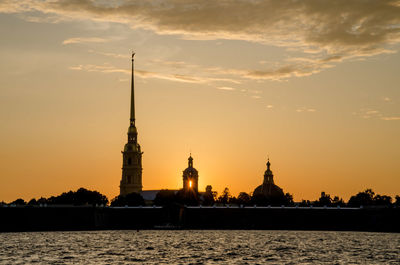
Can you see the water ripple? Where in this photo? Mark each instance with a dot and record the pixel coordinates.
(200, 247)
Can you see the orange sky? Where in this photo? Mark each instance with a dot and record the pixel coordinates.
(314, 86)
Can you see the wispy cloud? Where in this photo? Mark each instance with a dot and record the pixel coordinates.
(331, 31)
(174, 64)
(110, 54)
(84, 40)
(393, 118)
(366, 113)
(226, 88)
(99, 68)
(305, 109)
(107, 68)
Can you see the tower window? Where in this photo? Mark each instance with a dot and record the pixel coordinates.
(129, 179)
(129, 161)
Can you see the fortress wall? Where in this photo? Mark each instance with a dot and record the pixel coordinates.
(96, 218)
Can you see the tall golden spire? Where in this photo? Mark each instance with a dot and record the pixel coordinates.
(132, 119)
(131, 180)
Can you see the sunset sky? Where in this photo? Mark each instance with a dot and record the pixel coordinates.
(312, 84)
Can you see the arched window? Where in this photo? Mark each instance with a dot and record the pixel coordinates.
(129, 179)
(129, 160)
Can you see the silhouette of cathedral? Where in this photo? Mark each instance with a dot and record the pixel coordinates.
(190, 177)
(131, 180)
(132, 155)
(268, 188)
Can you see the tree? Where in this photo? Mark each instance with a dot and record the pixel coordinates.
(368, 198)
(383, 200)
(244, 198)
(80, 197)
(208, 196)
(32, 202)
(19, 202)
(131, 199)
(84, 196)
(305, 203)
(42, 201)
(324, 200)
(338, 201)
(225, 196)
(362, 198)
(397, 202)
(288, 199)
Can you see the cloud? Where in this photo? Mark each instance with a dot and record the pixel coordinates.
(369, 113)
(84, 40)
(304, 109)
(225, 88)
(295, 67)
(366, 113)
(107, 68)
(331, 31)
(110, 54)
(393, 118)
(327, 24)
(174, 64)
(270, 106)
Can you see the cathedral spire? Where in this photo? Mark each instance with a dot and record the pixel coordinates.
(131, 180)
(132, 119)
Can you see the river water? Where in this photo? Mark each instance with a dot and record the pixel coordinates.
(199, 247)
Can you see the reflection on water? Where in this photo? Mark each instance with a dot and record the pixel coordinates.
(200, 247)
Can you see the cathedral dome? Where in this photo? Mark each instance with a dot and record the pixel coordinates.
(268, 188)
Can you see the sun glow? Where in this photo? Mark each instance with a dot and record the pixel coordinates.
(190, 183)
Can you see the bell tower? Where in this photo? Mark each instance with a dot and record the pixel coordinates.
(132, 155)
(190, 177)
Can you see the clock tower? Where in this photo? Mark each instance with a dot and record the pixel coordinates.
(132, 155)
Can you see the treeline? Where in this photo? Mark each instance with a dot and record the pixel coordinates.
(365, 198)
(208, 198)
(80, 197)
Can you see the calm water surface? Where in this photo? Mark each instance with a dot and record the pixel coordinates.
(199, 247)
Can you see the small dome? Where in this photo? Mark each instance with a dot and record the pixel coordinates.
(191, 171)
(132, 129)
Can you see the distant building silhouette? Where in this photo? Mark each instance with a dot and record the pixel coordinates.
(132, 155)
(190, 177)
(268, 188)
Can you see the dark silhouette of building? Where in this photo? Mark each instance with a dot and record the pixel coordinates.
(132, 155)
(268, 188)
(190, 177)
